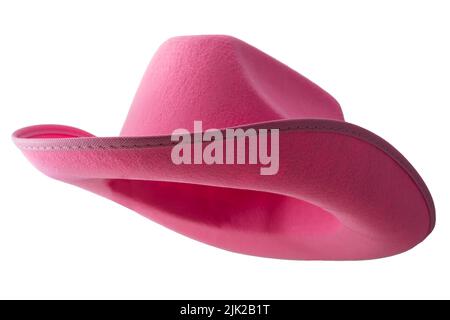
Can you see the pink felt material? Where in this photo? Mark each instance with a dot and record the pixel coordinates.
(341, 192)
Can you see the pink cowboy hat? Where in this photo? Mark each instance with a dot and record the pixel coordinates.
(340, 193)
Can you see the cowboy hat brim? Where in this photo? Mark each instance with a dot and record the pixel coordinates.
(341, 192)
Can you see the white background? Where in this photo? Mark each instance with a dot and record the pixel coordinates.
(386, 62)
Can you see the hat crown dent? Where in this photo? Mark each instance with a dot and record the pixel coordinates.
(223, 82)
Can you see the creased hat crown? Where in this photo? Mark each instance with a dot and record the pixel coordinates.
(223, 82)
